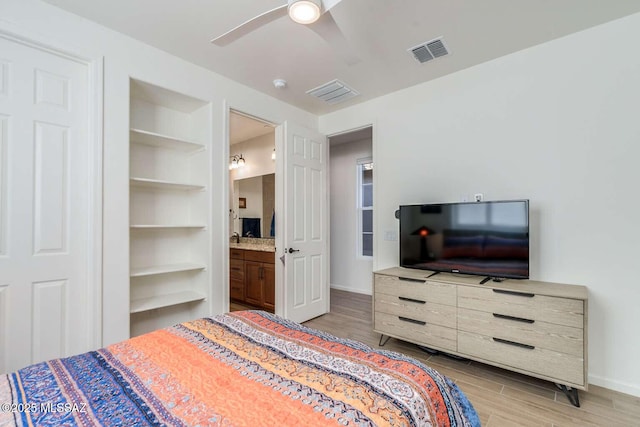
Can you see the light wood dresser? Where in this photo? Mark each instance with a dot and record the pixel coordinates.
(535, 328)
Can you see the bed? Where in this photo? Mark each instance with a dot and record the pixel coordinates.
(247, 368)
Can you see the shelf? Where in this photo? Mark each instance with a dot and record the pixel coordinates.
(165, 226)
(163, 141)
(151, 303)
(164, 269)
(163, 185)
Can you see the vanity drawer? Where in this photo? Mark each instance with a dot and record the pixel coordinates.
(236, 253)
(236, 269)
(236, 289)
(260, 256)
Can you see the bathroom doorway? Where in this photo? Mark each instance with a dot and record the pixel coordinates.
(252, 167)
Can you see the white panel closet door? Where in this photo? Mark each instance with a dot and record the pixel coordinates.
(44, 206)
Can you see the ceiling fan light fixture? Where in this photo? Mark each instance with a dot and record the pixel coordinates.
(304, 11)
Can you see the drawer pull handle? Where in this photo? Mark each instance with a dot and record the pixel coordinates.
(517, 319)
(520, 294)
(513, 343)
(417, 322)
(412, 300)
(409, 279)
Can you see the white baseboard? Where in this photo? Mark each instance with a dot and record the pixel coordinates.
(632, 389)
(348, 289)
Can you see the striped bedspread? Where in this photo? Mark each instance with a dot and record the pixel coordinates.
(246, 368)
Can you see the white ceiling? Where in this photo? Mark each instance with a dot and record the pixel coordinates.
(381, 31)
(243, 128)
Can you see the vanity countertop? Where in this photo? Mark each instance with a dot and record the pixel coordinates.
(253, 246)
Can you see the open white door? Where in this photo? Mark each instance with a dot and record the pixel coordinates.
(304, 247)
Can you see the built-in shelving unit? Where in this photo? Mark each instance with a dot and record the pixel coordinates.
(169, 210)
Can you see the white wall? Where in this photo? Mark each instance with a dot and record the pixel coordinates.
(349, 271)
(557, 124)
(257, 154)
(125, 57)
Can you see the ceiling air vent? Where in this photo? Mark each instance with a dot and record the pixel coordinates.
(429, 50)
(333, 92)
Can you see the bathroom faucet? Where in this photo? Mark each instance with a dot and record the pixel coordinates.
(237, 236)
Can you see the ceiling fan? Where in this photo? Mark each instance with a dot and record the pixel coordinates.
(313, 13)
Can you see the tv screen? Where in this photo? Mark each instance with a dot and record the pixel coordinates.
(484, 238)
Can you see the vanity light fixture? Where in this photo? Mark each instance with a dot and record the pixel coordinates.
(237, 161)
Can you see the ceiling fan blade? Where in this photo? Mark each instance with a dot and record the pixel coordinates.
(328, 4)
(327, 28)
(250, 25)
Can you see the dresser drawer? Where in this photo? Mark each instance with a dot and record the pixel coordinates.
(560, 338)
(423, 290)
(560, 367)
(561, 311)
(430, 312)
(415, 331)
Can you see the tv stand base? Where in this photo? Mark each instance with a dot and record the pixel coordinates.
(383, 341)
(571, 393)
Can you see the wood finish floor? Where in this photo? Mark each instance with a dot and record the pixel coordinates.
(500, 397)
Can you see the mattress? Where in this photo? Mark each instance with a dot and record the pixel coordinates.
(247, 368)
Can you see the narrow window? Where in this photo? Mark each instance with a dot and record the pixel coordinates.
(365, 208)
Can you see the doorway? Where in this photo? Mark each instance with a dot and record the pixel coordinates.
(351, 211)
(299, 221)
(252, 167)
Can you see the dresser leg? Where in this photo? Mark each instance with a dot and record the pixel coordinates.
(382, 343)
(571, 393)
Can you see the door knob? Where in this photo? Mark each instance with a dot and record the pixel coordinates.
(291, 250)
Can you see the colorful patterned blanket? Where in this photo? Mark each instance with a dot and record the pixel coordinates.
(246, 368)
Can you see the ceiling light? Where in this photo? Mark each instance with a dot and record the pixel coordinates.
(304, 11)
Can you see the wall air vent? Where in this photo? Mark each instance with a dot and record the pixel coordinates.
(333, 92)
(430, 50)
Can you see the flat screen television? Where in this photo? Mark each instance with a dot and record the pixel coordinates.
(483, 238)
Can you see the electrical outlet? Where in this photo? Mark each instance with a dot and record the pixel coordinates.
(478, 197)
